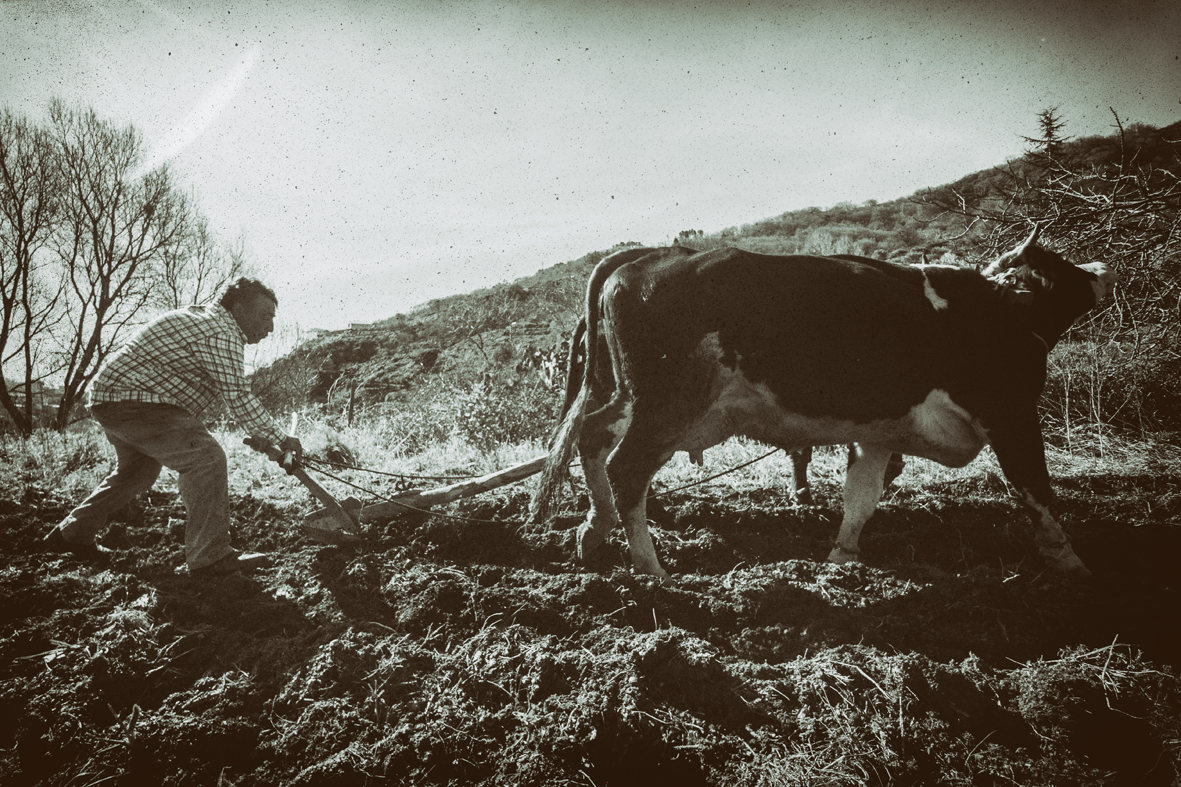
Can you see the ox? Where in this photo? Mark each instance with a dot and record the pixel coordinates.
(685, 349)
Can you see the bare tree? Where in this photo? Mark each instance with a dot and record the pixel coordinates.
(30, 208)
(194, 270)
(117, 225)
(1123, 207)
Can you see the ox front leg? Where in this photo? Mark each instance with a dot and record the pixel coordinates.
(801, 490)
(864, 482)
(1022, 455)
(600, 434)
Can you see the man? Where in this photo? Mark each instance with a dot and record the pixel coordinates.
(148, 396)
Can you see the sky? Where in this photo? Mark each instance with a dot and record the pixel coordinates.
(376, 155)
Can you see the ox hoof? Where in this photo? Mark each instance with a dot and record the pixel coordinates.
(650, 567)
(589, 540)
(841, 556)
(1068, 564)
(655, 572)
(802, 497)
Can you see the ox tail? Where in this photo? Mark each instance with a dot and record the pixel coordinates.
(553, 474)
(575, 366)
(578, 384)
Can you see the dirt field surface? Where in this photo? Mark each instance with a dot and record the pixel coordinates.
(449, 652)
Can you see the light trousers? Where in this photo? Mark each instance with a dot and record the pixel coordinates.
(147, 437)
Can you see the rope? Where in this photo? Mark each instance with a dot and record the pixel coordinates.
(346, 482)
(718, 475)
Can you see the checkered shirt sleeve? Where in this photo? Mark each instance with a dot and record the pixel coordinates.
(189, 358)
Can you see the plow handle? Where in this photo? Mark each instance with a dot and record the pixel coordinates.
(321, 494)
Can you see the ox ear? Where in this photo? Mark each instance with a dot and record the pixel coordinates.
(1015, 257)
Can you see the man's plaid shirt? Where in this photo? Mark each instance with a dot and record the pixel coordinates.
(188, 358)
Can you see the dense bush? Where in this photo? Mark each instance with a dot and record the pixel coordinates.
(1106, 385)
(485, 414)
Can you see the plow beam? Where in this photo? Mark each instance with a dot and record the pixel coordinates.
(404, 503)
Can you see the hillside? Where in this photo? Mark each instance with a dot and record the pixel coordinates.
(513, 333)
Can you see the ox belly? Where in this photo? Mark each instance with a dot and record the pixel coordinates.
(936, 428)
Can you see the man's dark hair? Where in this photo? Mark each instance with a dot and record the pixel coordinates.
(245, 290)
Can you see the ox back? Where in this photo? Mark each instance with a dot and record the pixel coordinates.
(685, 349)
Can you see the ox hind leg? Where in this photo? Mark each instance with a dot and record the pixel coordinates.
(894, 467)
(801, 489)
(864, 482)
(600, 433)
(630, 469)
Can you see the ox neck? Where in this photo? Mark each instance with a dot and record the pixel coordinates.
(1020, 305)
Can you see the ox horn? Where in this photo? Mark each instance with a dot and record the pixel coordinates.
(1012, 258)
(1032, 239)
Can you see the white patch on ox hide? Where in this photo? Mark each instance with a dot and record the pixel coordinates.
(619, 428)
(935, 428)
(945, 432)
(939, 302)
(738, 406)
(1105, 279)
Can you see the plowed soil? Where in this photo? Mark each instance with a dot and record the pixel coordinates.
(477, 652)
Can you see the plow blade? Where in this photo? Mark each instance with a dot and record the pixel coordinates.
(337, 525)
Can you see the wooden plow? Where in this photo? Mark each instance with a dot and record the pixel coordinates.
(327, 526)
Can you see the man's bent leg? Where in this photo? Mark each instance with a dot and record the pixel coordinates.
(134, 474)
(204, 487)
